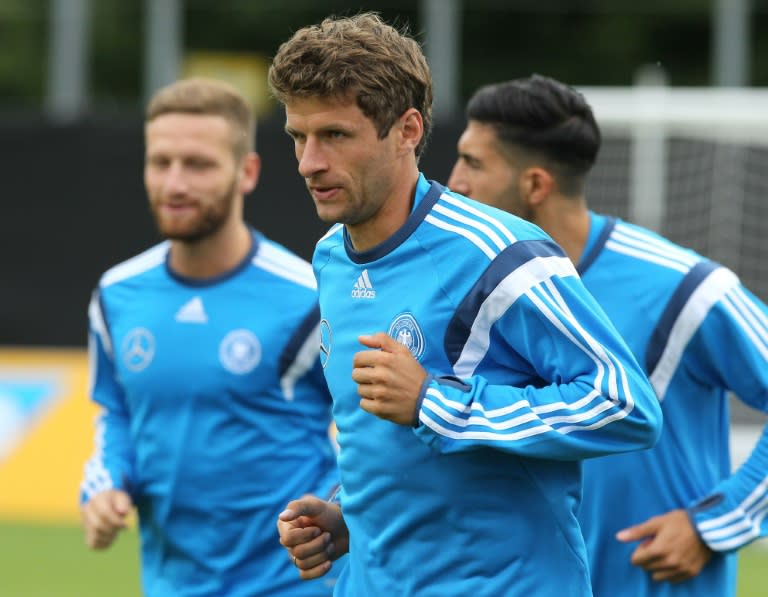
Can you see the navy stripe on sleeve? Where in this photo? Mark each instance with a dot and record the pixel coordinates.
(688, 285)
(506, 262)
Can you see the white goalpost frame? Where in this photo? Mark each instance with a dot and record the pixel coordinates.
(648, 114)
(738, 111)
(735, 119)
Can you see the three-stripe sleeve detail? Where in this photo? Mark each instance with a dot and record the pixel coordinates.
(97, 477)
(739, 526)
(646, 247)
(525, 269)
(285, 265)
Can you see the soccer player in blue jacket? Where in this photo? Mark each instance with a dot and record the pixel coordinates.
(470, 369)
(666, 521)
(205, 363)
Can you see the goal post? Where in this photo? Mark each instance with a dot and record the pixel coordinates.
(691, 163)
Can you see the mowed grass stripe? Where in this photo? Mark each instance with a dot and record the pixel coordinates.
(53, 561)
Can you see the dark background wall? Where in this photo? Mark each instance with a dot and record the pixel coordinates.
(73, 204)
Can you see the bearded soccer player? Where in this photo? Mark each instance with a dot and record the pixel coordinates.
(205, 360)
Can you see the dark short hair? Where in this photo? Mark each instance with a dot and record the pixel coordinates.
(362, 57)
(543, 116)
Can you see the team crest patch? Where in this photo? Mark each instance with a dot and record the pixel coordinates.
(240, 351)
(138, 349)
(407, 332)
(325, 342)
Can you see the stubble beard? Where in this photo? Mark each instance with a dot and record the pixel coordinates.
(210, 218)
(348, 212)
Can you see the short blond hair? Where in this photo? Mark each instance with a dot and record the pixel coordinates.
(384, 70)
(210, 97)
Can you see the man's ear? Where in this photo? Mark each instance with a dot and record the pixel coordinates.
(411, 128)
(537, 184)
(249, 172)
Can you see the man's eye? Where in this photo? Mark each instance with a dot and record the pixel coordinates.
(198, 164)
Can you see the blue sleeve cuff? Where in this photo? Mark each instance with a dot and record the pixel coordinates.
(446, 380)
(420, 400)
(701, 514)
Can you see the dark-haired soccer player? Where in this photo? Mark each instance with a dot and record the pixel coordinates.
(672, 513)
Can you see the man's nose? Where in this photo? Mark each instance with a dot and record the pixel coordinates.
(175, 181)
(312, 159)
(457, 182)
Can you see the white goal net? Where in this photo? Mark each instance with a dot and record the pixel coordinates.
(691, 164)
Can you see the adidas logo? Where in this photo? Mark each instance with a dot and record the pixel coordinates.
(363, 288)
(192, 312)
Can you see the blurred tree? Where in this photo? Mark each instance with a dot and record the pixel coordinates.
(262, 26)
(116, 62)
(22, 52)
(586, 42)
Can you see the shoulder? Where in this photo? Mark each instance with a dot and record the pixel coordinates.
(469, 231)
(282, 263)
(658, 262)
(651, 250)
(136, 266)
(465, 218)
(334, 237)
(476, 249)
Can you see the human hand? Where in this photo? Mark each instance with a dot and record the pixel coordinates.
(388, 380)
(670, 547)
(104, 516)
(314, 533)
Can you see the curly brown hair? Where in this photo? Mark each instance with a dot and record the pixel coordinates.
(361, 56)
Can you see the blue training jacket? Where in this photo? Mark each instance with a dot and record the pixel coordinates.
(699, 333)
(214, 415)
(527, 377)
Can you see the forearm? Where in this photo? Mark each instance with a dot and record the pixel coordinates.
(562, 421)
(733, 514)
(110, 465)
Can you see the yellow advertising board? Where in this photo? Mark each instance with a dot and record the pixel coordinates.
(247, 71)
(46, 432)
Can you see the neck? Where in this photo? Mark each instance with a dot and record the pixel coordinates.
(213, 255)
(393, 212)
(566, 220)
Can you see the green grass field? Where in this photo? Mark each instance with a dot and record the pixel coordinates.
(52, 561)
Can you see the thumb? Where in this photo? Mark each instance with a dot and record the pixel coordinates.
(379, 340)
(637, 532)
(306, 506)
(121, 503)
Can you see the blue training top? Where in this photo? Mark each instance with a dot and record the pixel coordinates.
(527, 376)
(215, 415)
(699, 333)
